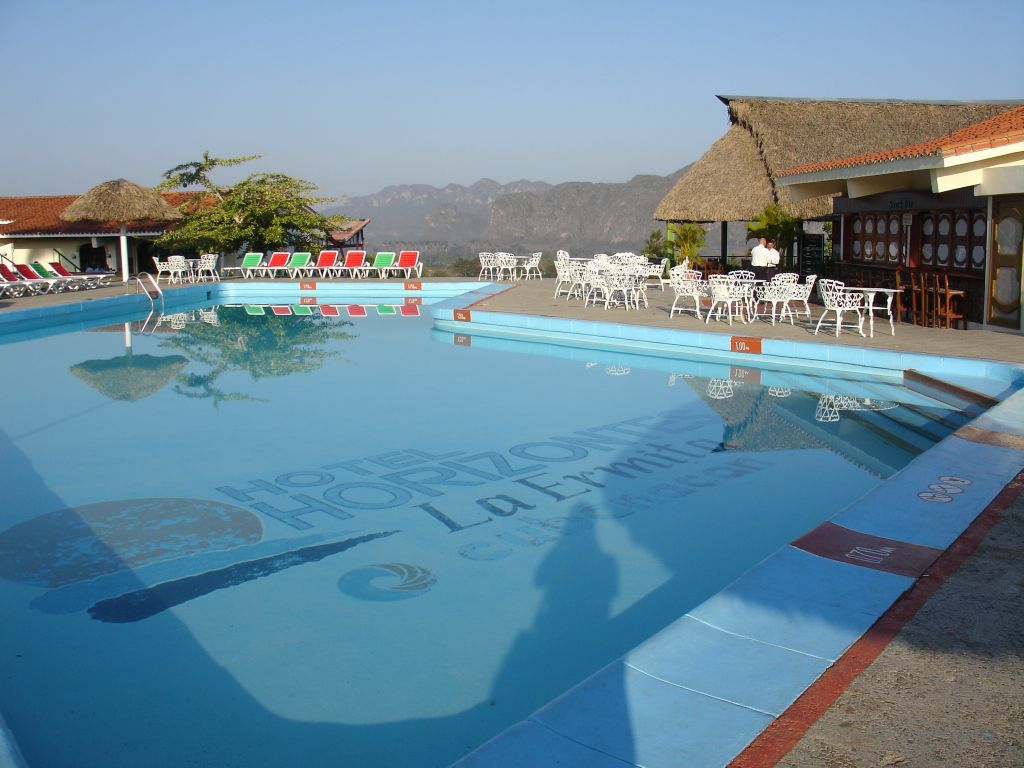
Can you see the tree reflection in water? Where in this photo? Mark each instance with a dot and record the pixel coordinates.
(262, 346)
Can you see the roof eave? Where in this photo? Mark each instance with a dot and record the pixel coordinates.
(39, 235)
(901, 165)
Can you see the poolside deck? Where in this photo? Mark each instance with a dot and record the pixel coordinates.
(534, 297)
(941, 689)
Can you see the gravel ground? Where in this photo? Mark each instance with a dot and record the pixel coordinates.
(949, 689)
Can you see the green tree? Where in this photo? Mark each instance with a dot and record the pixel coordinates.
(260, 212)
(775, 224)
(686, 239)
(656, 247)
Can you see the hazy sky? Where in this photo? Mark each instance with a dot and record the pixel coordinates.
(356, 96)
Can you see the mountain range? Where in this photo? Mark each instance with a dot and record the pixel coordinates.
(457, 221)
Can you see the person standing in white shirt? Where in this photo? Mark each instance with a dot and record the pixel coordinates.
(759, 259)
(772, 260)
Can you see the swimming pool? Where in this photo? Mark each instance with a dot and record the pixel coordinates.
(281, 539)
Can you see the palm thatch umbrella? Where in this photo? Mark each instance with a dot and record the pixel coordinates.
(131, 377)
(123, 202)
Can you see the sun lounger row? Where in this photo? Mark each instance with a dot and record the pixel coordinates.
(329, 264)
(333, 310)
(34, 279)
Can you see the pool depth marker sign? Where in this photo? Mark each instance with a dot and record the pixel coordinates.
(748, 344)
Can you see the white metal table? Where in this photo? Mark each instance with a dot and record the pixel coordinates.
(869, 304)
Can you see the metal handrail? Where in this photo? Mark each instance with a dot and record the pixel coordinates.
(153, 289)
(62, 258)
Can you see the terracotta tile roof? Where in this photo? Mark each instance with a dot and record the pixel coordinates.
(353, 228)
(40, 215)
(1001, 130)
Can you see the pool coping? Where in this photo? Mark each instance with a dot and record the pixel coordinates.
(829, 578)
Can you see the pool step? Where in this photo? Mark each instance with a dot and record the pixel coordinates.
(968, 401)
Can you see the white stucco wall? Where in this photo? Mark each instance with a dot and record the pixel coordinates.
(28, 249)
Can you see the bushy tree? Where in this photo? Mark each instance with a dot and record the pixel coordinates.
(261, 212)
(656, 247)
(686, 239)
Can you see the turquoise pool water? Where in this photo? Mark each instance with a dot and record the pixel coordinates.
(305, 539)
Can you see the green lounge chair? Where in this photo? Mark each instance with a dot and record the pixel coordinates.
(254, 309)
(382, 263)
(298, 263)
(302, 310)
(250, 262)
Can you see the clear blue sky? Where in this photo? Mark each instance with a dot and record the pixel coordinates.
(356, 96)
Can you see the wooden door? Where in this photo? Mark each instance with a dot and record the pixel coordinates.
(1007, 259)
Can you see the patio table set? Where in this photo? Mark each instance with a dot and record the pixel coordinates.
(620, 279)
(739, 294)
(185, 270)
(502, 265)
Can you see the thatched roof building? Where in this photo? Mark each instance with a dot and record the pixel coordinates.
(735, 179)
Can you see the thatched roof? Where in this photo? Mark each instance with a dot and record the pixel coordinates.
(131, 377)
(735, 179)
(121, 201)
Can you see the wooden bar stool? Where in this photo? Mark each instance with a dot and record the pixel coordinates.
(948, 304)
(918, 298)
(898, 284)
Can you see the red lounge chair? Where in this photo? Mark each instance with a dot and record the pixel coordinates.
(326, 264)
(281, 310)
(409, 310)
(30, 275)
(71, 282)
(356, 310)
(408, 262)
(27, 286)
(354, 264)
(12, 288)
(278, 261)
(329, 310)
(90, 280)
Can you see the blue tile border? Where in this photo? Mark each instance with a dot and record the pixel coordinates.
(672, 342)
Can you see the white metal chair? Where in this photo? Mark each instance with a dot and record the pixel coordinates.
(786, 278)
(656, 271)
(686, 283)
(839, 301)
(207, 267)
(778, 295)
(564, 276)
(532, 267)
(488, 266)
(162, 268)
(178, 269)
(729, 295)
(802, 292)
(742, 274)
(507, 263)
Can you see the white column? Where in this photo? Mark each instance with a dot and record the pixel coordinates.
(988, 263)
(124, 254)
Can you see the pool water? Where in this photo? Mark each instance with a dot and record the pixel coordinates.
(265, 539)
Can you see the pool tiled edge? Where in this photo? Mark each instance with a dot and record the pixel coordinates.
(459, 316)
(686, 696)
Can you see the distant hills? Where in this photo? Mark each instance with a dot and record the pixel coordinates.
(456, 221)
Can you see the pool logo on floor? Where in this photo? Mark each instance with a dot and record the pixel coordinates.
(376, 582)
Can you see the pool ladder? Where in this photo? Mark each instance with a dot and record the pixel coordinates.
(145, 282)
